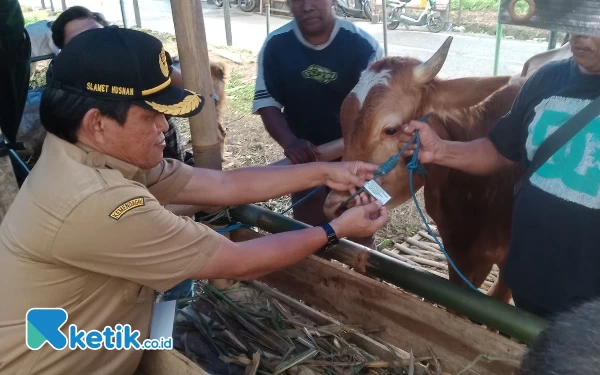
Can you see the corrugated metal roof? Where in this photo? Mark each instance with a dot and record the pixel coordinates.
(572, 16)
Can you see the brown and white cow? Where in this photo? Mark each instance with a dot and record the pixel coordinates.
(473, 213)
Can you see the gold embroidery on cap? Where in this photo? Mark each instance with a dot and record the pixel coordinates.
(162, 61)
(97, 87)
(187, 105)
(157, 88)
(129, 205)
(121, 90)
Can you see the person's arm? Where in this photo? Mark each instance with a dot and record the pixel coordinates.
(269, 99)
(258, 184)
(141, 241)
(252, 259)
(297, 150)
(478, 157)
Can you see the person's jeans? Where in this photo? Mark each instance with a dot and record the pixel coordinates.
(184, 289)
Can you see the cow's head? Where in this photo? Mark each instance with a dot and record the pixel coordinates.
(390, 93)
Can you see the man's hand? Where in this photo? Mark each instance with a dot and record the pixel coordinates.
(300, 151)
(346, 176)
(431, 143)
(361, 221)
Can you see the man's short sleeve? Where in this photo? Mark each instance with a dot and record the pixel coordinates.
(124, 232)
(166, 180)
(264, 96)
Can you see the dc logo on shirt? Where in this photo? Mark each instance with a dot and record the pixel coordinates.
(319, 74)
(573, 172)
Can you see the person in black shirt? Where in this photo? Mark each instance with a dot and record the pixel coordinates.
(307, 68)
(554, 259)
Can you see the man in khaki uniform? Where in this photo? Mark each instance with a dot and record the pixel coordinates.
(88, 231)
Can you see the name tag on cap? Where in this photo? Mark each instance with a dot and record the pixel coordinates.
(377, 192)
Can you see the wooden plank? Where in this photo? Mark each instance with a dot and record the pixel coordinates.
(365, 342)
(390, 314)
(167, 362)
(398, 318)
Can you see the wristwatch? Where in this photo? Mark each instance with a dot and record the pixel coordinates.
(332, 238)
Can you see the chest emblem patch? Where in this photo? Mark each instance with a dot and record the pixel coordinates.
(127, 206)
(319, 74)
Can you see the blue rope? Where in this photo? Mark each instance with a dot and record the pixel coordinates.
(415, 166)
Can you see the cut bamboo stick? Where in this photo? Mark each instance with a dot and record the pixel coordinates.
(424, 234)
(433, 228)
(428, 262)
(402, 258)
(409, 251)
(421, 245)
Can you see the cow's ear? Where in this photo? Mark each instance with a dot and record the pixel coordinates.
(464, 92)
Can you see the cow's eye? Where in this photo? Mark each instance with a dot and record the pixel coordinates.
(391, 131)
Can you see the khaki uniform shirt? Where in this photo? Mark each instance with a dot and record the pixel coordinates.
(89, 233)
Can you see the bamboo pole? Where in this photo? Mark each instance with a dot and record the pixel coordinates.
(195, 69)
(477, 306)
(136, 11)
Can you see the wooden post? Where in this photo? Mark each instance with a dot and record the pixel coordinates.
(195, 69)
(64, 5)
(227, 16)
(136, 11)
(459, 12)
(43, 4)
(52, 6)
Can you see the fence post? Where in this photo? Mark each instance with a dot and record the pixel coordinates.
(123, 15)
(459, 12)
(52, 6)
(384, 13)
(64, 5)
(227, 22)
(43, 4)
(136, 11)
(268, 17)
(552, 40)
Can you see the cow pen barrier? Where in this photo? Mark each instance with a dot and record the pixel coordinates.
(478, 307)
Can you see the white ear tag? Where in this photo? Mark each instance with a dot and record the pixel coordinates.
(377, 192)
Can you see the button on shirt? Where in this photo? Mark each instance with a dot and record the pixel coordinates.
(88, 233)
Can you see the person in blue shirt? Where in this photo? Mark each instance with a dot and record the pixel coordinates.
(553, 262)
(306, 69)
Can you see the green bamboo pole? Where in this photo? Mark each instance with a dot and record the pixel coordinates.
(477, 306)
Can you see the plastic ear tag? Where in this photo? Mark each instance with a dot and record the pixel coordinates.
(377, 192)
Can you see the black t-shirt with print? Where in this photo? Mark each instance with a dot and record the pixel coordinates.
(554, 259)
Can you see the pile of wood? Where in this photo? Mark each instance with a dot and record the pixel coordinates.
(253, 329)
(422, 252)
